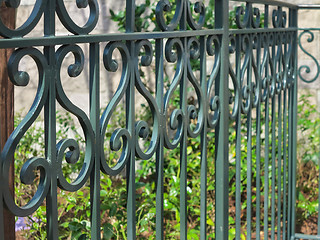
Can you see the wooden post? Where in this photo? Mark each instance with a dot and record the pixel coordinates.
(6, 111)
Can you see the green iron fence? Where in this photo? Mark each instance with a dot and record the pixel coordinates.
(248, 90)
(308, 72)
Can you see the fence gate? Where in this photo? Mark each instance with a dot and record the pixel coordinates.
(240, 72)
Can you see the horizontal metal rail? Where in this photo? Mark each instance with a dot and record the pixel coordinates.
(305, 236)
(309, 6)
(270, 3)
(78, 39)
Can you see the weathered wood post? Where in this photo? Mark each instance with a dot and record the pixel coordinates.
(6, 111)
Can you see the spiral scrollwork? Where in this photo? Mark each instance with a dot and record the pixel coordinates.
(142, 129)
(266, 78)
(234, 95)
(268, 65)
(256, 85)
(213, 49)
(176, 117)
(278, 85)
(72, 155)
(236, 98)
(288, 72)
(306, 68)
(279, 63)
(120, 137)
(27, 174)
(243, 16)
(28, 25)
(246, 88)
(165, 6)
(232, 44)
(69, 24)
(247, 17)
(201, 10)
(255, 19)
(193, 46)
(116, 144)
(279, 18)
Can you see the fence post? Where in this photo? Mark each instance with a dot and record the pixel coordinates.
(293, 22)
(222, 129)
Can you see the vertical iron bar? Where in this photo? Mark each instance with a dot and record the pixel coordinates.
(249, 147)
(50, 125)
(258, 146)
(160, 149)
(50, 151)
(183, 151)
(266, 16)
(184, 139)
(294, 23)
(94, 118)
(276, 58)
(130, 15)
(266, 169)
(290, 151)
(289, 162)
(279, 163)
(238, 143)
(273, 164)
(130, 124)
(284, 147)
(222, 129)
(204, 143)
(266, 162)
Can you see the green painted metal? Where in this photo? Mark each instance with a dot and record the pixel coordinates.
(306, 68)
(249, 90)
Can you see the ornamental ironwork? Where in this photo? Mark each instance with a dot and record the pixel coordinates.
(248, 90)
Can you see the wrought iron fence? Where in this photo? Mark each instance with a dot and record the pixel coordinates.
(247, 90)
(308, 72)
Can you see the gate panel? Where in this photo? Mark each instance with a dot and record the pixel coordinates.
(246, 97)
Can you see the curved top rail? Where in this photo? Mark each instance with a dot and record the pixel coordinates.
(270, 2)
(309, 6)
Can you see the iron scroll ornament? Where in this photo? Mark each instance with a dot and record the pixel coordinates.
(141, 127)
(213, 49)
(272, 72)
(27, 175)
(28, 25)
(193, 46)
(165, 6)
(120, 133)
(176, 117)
(250, 17)
(38, 11)
(72, 156)
(306, 68)
(70, 24)
(20, 78)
